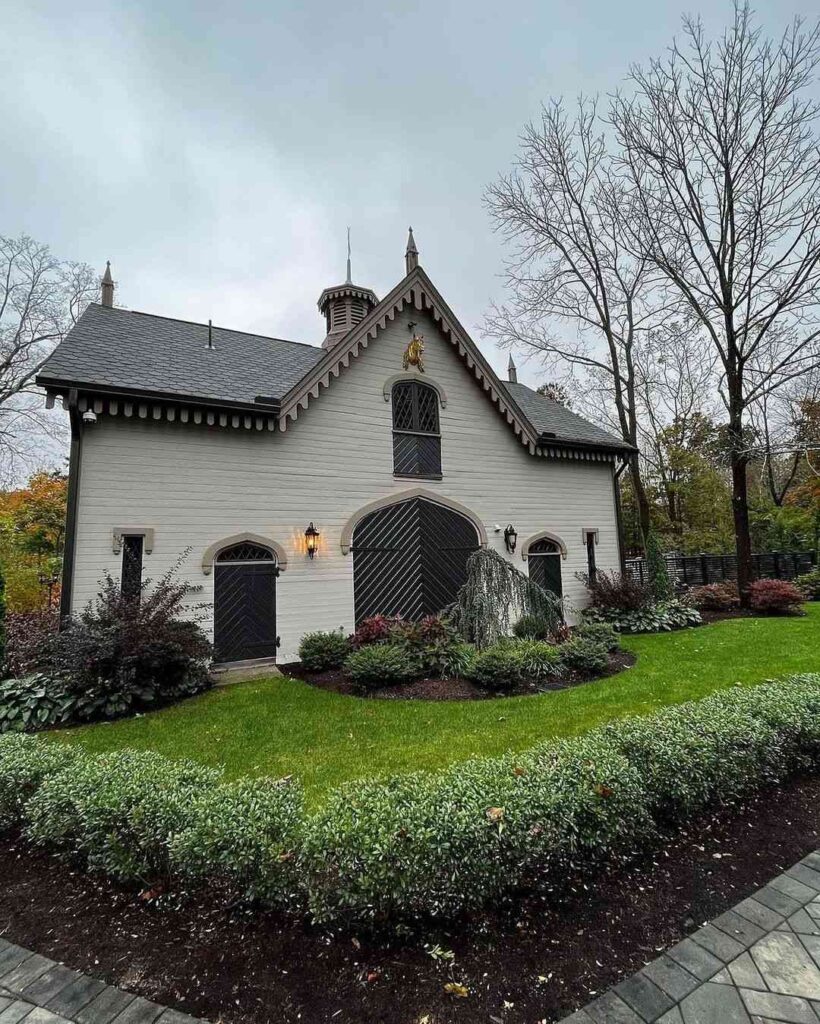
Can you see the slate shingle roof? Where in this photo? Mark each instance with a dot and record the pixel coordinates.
(129, 351)
(550, 417)
(122, 349)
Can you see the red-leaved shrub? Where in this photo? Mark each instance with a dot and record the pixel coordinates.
(776, 597)
(28, 640)
(373, 630)
(715, 597)
(618, 591)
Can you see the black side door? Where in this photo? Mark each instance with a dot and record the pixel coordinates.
(245, 611)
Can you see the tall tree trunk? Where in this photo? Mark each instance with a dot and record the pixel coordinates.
(641, 499)
(740, 504)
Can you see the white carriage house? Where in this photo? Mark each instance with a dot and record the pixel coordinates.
(309, 487)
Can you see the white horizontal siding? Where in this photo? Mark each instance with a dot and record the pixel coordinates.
(197, 485)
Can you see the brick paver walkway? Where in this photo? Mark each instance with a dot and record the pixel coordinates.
(756, 964)
(36, 990)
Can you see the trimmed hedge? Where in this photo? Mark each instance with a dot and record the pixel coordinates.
(413, 847)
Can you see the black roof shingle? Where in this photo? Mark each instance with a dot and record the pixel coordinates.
(126, 351)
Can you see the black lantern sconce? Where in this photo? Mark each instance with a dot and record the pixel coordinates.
(311, 534)
(510, 538)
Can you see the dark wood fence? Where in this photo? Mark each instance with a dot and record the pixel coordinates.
(697, 570)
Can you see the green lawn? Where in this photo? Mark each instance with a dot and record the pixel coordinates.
(282, 726)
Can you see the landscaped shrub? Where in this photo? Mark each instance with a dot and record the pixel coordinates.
(432, 646)
(585, 655)
(598, 632)
(245, 834)
(616, 591)
(534, 627)
(775, 597)
(659, 582)
(655, 618)
(511, 663)
(28, 640)
(119, 811)
(419, 846)
(373, 630)
(714, 597)
(122, 655)
(24, 762)
(380, 665)
(319, 651)
(809, 583)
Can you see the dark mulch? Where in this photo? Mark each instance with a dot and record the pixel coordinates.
(550, 955)
(448, 689)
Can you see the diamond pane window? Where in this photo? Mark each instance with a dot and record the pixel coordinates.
(245, 552)
(416, 440)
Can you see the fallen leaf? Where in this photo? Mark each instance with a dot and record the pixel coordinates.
(455, 988)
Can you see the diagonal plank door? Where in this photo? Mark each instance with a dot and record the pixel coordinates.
(245, 611)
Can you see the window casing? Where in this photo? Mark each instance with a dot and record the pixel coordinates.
(416, 433)
(591, 567)
(131, 576)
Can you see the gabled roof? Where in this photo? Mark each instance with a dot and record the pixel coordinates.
(129, 352)
(123, 352)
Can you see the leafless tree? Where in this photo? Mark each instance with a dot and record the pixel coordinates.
(578, 297)
(41, 297)
(721, 174)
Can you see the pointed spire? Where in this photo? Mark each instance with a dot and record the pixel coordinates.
(107, 286)
(348, 279)
(512, 372)
(411, 256)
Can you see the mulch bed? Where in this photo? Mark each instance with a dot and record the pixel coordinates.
(549, 955)
(448, 689)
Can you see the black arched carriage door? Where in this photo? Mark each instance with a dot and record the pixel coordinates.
(544, 559)
(410, 559)
(245, 603)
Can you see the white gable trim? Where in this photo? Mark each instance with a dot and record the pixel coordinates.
(346, 539)
(416, 291)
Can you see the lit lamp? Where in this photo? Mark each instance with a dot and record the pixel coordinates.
(510, 538)
(311, 533)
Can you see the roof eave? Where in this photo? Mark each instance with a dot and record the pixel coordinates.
(58, 385)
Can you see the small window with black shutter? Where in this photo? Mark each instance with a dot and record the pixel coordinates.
(590, 541)
(416, 435)
(131, 578)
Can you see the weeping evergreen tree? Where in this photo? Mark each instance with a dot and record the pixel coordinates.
(495, 596)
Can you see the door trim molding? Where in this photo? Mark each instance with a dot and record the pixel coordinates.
(346, 539)
(211, 552)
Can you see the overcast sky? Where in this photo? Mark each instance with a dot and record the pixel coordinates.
(216, 152)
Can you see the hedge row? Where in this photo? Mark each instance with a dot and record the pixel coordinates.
(420, 845)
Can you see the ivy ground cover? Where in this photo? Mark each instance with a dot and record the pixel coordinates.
(282, 726)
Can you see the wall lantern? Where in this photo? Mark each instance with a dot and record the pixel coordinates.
(510, 538)
(311, 533)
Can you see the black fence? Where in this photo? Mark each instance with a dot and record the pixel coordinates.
(697, 570)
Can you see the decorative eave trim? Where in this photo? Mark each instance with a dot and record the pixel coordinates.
(211, 552)
(346, 538)
(418, 292)
(245, 418)
(387, 389)
(543, 535)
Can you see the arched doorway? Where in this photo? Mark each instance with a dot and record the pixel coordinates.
(410, 558)
(544, 560)
(245, 602)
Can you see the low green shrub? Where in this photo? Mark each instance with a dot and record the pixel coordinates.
(655, 618)
(533, 627)
(25, 762)
(433, 846)
(585, 655)
(509, 663)
(118, 811)
(598, 632)
(809, 583)
(245, 834)
(380, 665)
(323, 650)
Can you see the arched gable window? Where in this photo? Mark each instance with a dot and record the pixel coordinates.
(416, 435)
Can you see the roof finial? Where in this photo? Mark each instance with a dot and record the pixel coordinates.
(349, 279)
(411, 256)
(107, 286)
(512, 373)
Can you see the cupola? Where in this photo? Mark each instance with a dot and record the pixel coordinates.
(344, 305)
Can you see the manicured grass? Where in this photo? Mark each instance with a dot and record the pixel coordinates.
(283, 726)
